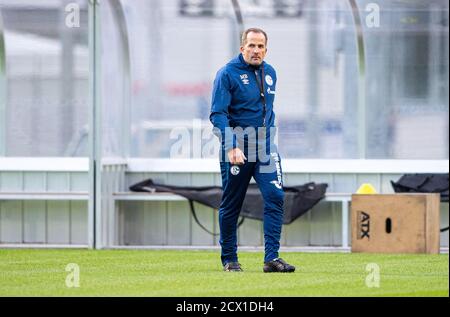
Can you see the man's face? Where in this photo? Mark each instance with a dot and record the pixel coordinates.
(254, 49)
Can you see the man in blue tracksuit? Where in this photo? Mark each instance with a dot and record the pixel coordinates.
(243, 118)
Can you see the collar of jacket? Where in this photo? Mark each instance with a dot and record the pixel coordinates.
(248, 66)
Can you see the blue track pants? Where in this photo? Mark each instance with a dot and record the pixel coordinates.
(235, 181)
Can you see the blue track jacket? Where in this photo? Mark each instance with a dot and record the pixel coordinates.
(236, 99)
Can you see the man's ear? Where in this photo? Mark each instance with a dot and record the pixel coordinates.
(242, 49)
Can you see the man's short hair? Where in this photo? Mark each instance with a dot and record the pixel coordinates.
(254, 30)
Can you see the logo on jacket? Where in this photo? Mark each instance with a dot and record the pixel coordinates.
(269, 80)
(244, 78)
(235, 170)
(277, 184)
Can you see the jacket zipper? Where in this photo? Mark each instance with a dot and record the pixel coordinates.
(263, 98)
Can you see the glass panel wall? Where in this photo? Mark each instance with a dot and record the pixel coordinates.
(407, 73)
(356, 79)
(44, 100)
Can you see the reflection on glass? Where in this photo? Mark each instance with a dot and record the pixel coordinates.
(176, 47)
(407, 81)
(159, 59)
(47, 68)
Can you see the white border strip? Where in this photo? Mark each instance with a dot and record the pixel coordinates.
(305, 249)
(366, 166)
(47, 164)
(443, 250)
(173, 165)
(216, 248)
(60, 164)
(295, 166)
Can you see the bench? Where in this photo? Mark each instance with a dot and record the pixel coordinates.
(343, 198)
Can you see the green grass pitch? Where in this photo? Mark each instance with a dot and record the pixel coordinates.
(26, 272)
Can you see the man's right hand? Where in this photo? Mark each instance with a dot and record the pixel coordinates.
(236, 156)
